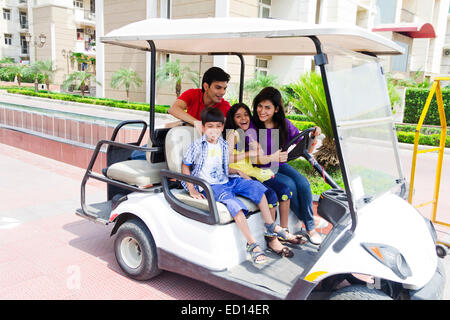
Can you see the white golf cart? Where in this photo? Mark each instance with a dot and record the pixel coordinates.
(375, 233)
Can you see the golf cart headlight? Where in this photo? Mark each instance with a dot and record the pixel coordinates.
(390, 257)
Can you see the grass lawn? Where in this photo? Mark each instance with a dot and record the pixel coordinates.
(318, 185)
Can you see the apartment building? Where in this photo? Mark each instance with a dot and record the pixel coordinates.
(420, 27)
(49, 29)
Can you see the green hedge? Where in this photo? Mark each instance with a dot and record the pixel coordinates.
(428, 140)
(431, 139)
(415, 100)
(91, 100)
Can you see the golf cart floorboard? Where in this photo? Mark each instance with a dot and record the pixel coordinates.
(97, 212)
(276, 274)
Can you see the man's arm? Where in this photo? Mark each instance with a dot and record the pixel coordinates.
(177, 110)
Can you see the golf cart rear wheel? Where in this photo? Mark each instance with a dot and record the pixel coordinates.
(135, 250)
(359, 292)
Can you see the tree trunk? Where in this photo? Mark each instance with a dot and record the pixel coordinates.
(82, 87)
(47, 83)
(326, 154)
(19, 81)
(128, 96)
(36, 82)
(178, 88)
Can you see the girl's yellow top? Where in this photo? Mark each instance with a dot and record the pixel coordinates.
(246, 166)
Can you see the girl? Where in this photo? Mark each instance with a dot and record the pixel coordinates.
(241, 150)
(269, 114)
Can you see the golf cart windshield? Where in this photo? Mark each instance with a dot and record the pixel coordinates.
(364, 124)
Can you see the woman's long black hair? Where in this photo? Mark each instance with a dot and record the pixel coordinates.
(279, 118)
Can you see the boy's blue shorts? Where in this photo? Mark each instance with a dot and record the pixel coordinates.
(226, 193)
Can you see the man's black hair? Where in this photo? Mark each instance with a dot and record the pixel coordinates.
(214, 74)
(212, 115)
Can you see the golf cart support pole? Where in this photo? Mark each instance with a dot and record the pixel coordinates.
(152, 90)
(321, 60)
(241, 76)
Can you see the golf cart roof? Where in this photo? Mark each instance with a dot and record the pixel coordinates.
(256, 37)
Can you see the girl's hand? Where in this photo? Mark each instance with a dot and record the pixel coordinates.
(254, 149)
(244, 175)
(280, 156)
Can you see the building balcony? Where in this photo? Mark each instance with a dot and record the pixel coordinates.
(23, 4)
(83, 46)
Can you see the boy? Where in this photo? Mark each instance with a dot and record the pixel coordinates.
(208, 157)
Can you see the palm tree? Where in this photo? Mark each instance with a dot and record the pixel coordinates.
(126, 77)
(311, 101)
(19, 70)
(80, 79)
(47, 69)
(35, 69)
(253, 86)
(172, 72)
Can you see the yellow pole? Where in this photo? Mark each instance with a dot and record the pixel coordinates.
(441, 109)
(416, 139)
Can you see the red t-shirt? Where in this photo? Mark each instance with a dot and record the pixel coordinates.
(195, 105)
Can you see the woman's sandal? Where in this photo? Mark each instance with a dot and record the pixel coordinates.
(285, 252)
(256, 254)
(296, 239)
(283, 235)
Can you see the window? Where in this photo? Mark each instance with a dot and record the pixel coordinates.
(165, 10)
(23, 45)
(386, 11)
(7, 14)
(262, 66)
(264, 8)
(23, 20)
(80, 34)
(8, 39)
(78, 3)
(400, 63)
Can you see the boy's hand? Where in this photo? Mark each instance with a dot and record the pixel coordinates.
(195, 194)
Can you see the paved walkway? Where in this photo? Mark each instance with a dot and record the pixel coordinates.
(47, 252)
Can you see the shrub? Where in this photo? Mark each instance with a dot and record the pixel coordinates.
(428, 140)
(415, 100)
(90, 100)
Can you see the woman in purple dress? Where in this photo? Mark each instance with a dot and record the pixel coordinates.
(268, 113)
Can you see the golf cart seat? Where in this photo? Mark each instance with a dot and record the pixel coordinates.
(139, 173)
(178, 140)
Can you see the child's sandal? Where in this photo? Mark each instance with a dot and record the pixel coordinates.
(256, 254)
(296, 239)
(283, 235)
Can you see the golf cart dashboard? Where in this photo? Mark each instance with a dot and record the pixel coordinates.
(333, 205)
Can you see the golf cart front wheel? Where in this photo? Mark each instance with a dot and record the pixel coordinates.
(135, 250)
(358, 292)
(441, 250)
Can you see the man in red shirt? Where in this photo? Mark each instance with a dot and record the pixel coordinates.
(214, 86)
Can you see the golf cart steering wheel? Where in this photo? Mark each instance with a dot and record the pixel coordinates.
(301, 148)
